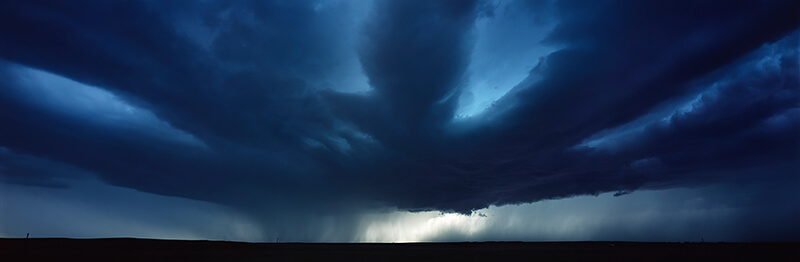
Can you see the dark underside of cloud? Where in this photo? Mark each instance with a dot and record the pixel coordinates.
(239, 105)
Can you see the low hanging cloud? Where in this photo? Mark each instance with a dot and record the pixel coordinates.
(316, 108)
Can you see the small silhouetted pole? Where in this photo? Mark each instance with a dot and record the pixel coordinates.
(27, 235)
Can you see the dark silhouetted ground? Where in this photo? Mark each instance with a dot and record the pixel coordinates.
(123, 249)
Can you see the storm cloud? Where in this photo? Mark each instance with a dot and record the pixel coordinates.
(299, 111)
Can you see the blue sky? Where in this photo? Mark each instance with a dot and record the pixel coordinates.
(400, 120)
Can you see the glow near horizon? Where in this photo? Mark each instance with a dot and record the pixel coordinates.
(43, 211)
(578, 218)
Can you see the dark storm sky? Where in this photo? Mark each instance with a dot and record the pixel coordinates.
(309, 115)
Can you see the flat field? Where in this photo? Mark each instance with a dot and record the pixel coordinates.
(129, 249)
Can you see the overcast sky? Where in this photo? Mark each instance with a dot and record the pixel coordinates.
(400, 120)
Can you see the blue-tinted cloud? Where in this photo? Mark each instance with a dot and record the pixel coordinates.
(331, 107)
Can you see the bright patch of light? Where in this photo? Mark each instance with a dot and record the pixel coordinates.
(423, 226)
(592, 218)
